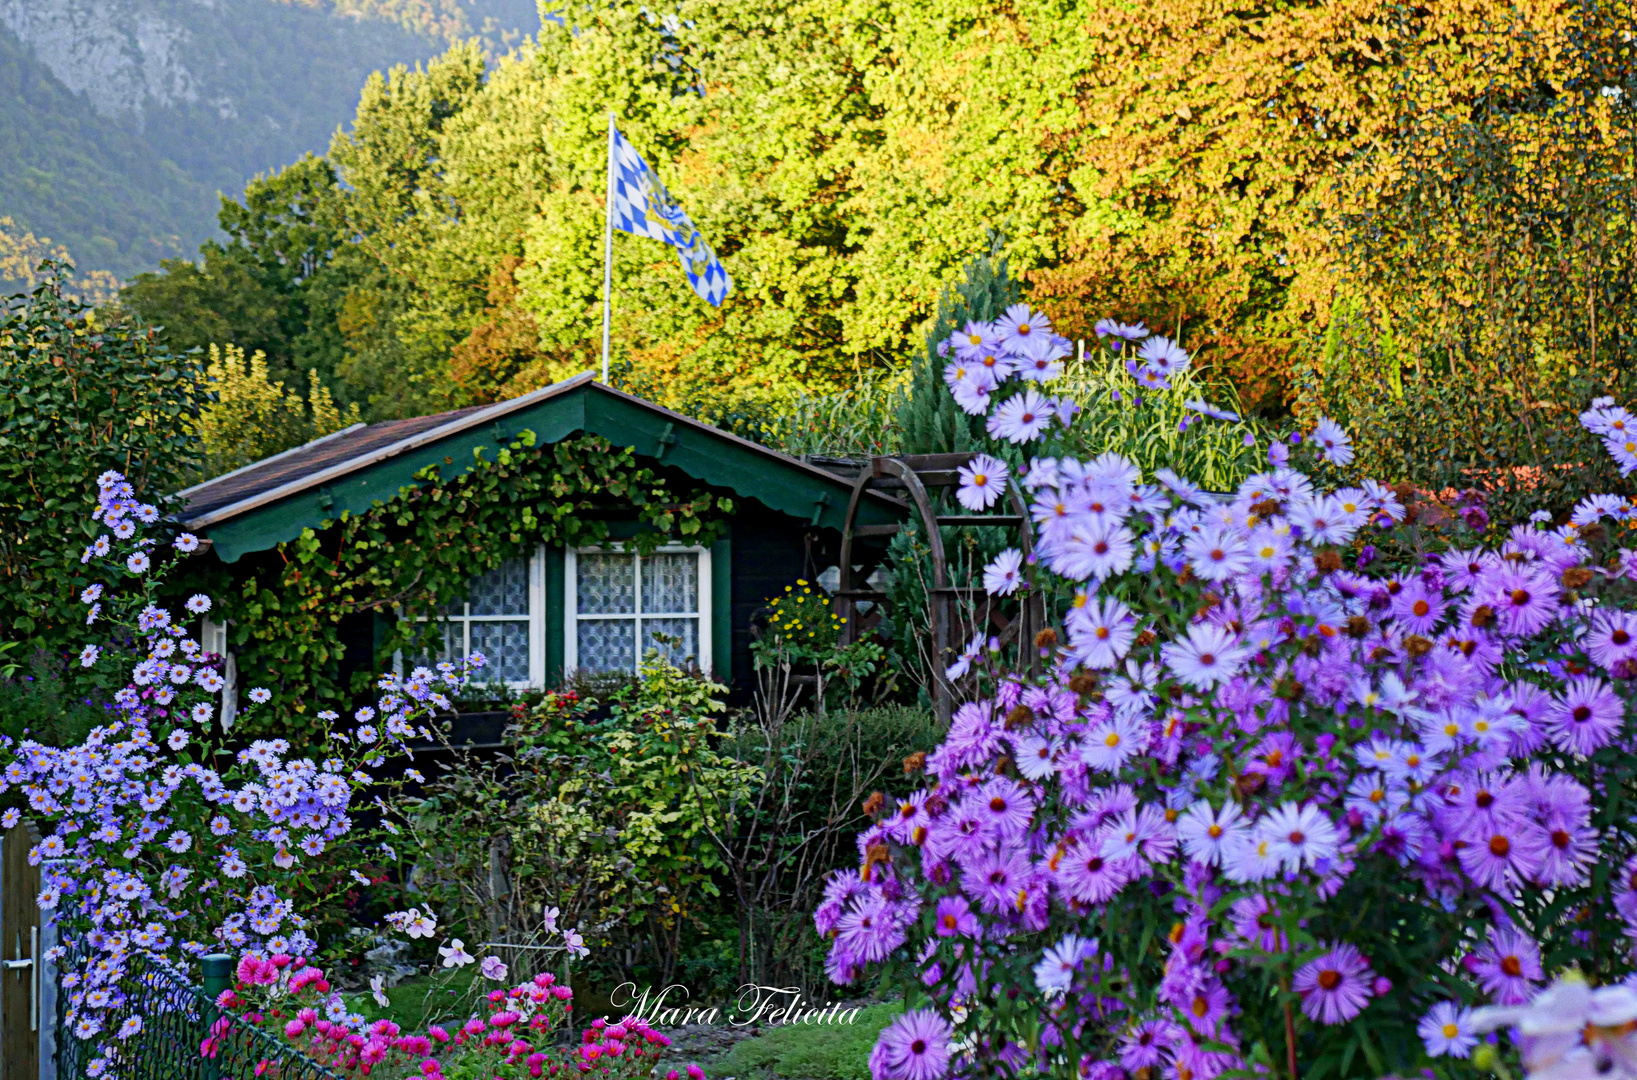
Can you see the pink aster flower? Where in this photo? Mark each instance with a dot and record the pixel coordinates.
(1336, 987)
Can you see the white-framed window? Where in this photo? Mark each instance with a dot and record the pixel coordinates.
(619, 604)
(213, 639)
(503, 616)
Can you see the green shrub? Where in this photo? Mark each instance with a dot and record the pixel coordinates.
(39, 701)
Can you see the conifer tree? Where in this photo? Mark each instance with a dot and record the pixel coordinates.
(929, 420)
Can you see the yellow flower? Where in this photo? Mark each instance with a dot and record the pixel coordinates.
(799, 581)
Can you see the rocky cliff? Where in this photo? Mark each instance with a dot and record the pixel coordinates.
(124, 118)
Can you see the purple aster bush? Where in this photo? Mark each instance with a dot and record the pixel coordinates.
(1254, 803)
(163, 840)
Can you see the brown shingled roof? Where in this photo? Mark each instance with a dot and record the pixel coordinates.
(305, 460)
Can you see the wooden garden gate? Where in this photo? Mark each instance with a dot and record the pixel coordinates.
(20, 974)
(956, 612)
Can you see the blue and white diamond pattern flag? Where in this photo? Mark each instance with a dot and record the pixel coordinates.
(638, 203)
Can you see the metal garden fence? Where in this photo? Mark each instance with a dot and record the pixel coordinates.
(177, 1020)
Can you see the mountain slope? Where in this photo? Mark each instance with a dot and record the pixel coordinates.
(130, 115)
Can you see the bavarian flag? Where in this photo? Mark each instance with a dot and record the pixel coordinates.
(638, 203)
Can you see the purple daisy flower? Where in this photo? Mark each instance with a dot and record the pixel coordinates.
(1144, 1045)
(1509, 853)
(955, 917)
(1586, 718)
(1256, 920)
(1524, 599)
(913, 1047)
(1088, 877)
(995, 878)
(1507, 966)
(1007, 804)
(1569, 853)
(869, 931)
(1336, 987)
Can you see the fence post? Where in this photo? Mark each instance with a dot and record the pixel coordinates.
(218, 973)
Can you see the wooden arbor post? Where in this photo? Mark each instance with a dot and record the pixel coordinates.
(919, 475)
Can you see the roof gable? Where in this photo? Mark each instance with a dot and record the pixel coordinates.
(271, 501)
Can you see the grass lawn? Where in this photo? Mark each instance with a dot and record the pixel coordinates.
(809, 1051)
(443, 997)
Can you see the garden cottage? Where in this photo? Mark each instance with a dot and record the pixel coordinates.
(551, 608)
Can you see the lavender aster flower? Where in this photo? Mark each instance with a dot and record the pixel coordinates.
(1336, 987)
(982, 482)
(915, 1046)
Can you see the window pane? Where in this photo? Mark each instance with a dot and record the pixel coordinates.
(670, 583)
(606, 584)
(607, 644)
(506, 646)
(686, 629)
(438, 641)
(503, 590)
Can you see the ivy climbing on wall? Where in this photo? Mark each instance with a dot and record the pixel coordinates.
(416, 552)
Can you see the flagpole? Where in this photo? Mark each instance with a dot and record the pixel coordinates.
(608, 248)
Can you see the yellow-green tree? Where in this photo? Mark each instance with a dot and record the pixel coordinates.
(1175, 160)
(253, 417)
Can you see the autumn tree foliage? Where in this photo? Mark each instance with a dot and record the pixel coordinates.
(1179, 159)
